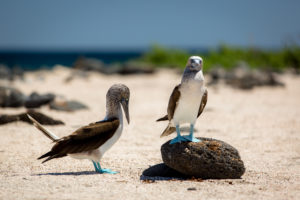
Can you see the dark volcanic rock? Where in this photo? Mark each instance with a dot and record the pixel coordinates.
(136, 68)
(36, 100)
(11, 97)
(89, 64)
(243, 77)
(209, 159)
(17, 72)
(11, 73)
(4, 72)
(64, 105)
(77, 73)
(41, 118)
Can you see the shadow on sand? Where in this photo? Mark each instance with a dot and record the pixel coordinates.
(67, 173)
(161, 172)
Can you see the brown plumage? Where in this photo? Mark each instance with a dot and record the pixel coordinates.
(86, 138)
(92, 141)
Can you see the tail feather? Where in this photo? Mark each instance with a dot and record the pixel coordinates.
(46, 132)
(52, 157)
(45, 155)
(169, 130)
(164, 118)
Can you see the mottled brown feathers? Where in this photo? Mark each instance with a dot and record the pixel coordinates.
(203, 103)
(173, 102)
(86, 138)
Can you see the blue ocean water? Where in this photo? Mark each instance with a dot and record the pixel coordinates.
(32, 60)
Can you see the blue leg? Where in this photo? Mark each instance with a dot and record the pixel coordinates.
(191, 137)
(179, 138)
(96, 167)
(100, 170)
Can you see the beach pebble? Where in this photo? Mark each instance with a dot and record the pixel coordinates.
(64, 105)
(11, 97)
(11, 73)
(243, 77)
(136, 68)
(208, 159)
(4, 72)
(89, 64)
(36, 100)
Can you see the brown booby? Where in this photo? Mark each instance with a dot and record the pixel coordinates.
(92, 141)
(187, 101)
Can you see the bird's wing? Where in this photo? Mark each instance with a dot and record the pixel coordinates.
(203, 102)
(86, 138)
(173, 102)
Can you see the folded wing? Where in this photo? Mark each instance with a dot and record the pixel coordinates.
(84, 139)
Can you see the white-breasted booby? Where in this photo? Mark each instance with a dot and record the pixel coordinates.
(92, 141)
(187, 101)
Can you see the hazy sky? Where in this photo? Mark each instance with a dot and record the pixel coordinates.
(137, 24)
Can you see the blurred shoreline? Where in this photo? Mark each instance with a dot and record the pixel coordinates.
(33, 60)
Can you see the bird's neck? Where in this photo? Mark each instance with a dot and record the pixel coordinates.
(113, 109)
(192, 77)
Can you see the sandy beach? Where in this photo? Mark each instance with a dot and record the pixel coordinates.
(263, 124)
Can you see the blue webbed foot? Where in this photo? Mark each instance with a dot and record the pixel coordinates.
(107, 171)
(179, 139)
(191, 138)
(101, 170)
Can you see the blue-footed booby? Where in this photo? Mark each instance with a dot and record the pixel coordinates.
(92, 141)
(187, 101)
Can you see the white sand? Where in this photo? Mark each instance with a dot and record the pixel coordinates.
(263, 124)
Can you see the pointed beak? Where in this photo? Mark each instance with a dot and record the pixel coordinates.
(196, 63)
(125, 105)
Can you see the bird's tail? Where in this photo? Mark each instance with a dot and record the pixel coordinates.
(170, 129)
(164, 118)
(46, 132)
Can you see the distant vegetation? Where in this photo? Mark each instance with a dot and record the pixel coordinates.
(227, 57)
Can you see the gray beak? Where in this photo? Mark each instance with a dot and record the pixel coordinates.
(196, 63)
(126, 110)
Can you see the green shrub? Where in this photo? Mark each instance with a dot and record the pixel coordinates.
(227, 57)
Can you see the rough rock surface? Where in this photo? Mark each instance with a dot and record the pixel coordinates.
(208, 159)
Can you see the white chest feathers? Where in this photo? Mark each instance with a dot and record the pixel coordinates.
(189, 102)
(108, 144)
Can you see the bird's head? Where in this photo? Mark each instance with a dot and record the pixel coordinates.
(194, 63)
(121, 94)
(193, 69)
